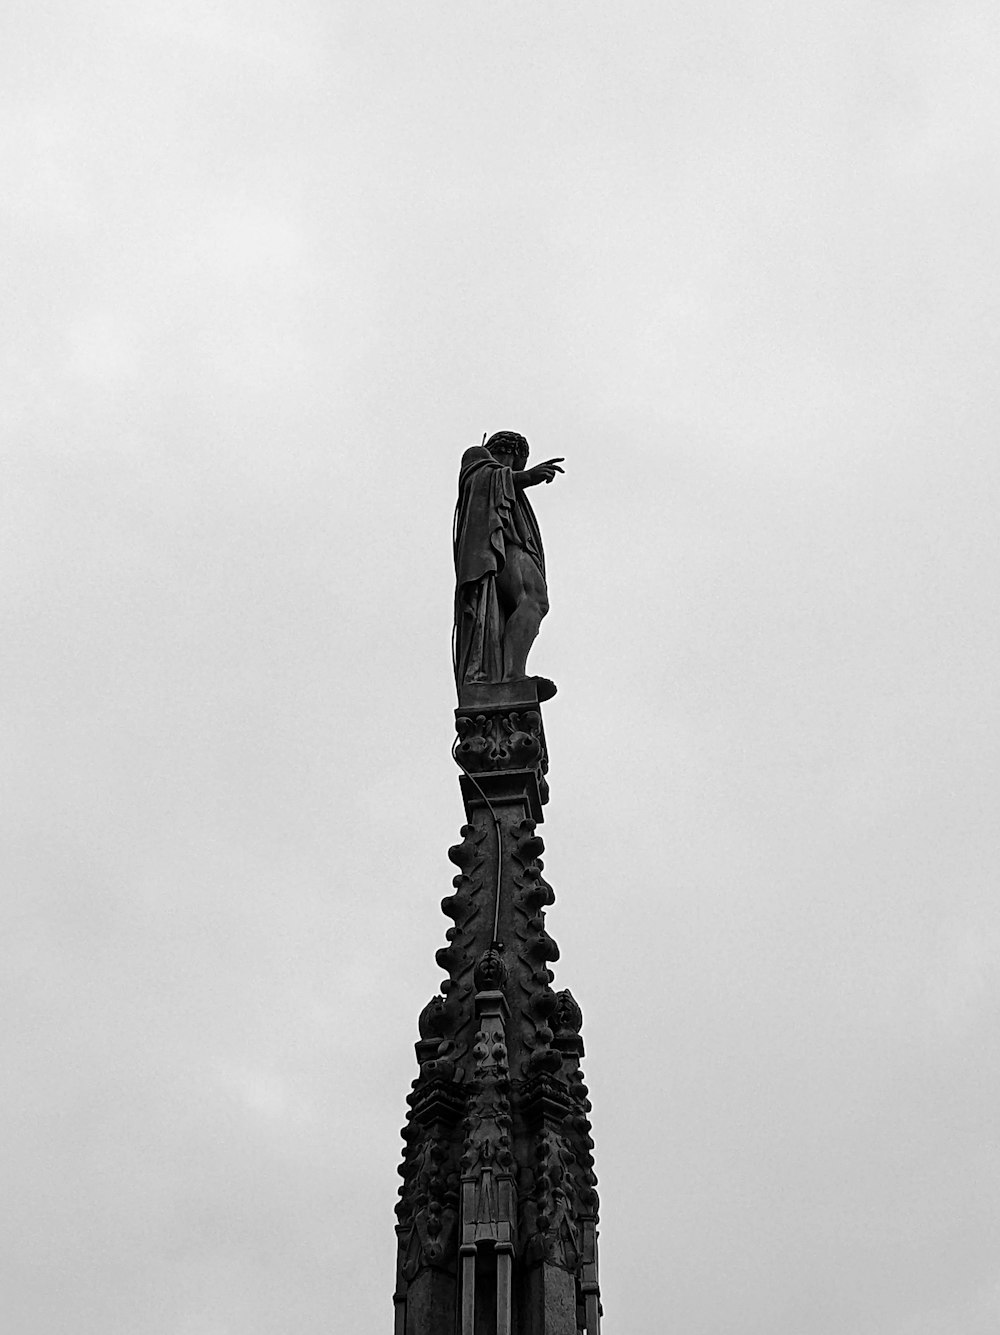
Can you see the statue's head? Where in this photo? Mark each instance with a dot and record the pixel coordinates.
(508, 448)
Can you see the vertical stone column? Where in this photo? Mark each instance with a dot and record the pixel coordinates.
(498, 1207)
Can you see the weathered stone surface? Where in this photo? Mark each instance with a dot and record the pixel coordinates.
(549, 1303)
(427, 1305)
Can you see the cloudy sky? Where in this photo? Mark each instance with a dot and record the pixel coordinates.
(268, 269)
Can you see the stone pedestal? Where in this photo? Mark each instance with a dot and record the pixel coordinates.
(498, 1207)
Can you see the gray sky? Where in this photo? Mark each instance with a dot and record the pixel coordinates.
(269, 268)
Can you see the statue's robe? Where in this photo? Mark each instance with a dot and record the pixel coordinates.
(492, 515)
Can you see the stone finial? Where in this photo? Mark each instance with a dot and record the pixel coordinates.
(490, 972)
(567, 1018)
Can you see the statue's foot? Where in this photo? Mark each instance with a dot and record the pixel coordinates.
(546, 689)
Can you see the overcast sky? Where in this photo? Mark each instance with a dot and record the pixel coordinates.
(268, 269)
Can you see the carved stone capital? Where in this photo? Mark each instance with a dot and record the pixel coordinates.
(501, 745)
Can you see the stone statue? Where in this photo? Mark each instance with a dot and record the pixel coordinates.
(500, 590)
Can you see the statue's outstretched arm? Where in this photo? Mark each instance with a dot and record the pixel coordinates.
(540, 473)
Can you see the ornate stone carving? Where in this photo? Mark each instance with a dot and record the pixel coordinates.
(549, 1217)
(491, 972)
(469, 908)
(498, 1147)
(432, 1021)
(500, 733)
(427, 1210)
(429, 1205)
(534, 949)
(558, 1186)
(487, 1141)
(510, 739)
(567, 1017)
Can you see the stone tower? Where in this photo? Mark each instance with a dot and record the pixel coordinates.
(497, 1216)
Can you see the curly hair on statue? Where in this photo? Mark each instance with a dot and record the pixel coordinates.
(510, 440)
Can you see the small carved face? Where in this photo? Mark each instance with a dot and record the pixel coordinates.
(490, 972)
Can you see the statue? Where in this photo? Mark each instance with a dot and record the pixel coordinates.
(500, 590)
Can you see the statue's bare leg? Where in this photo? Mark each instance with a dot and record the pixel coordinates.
(522, 590)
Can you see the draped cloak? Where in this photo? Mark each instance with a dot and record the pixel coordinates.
(491, 516)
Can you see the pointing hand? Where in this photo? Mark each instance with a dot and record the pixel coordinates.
(546, 471)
